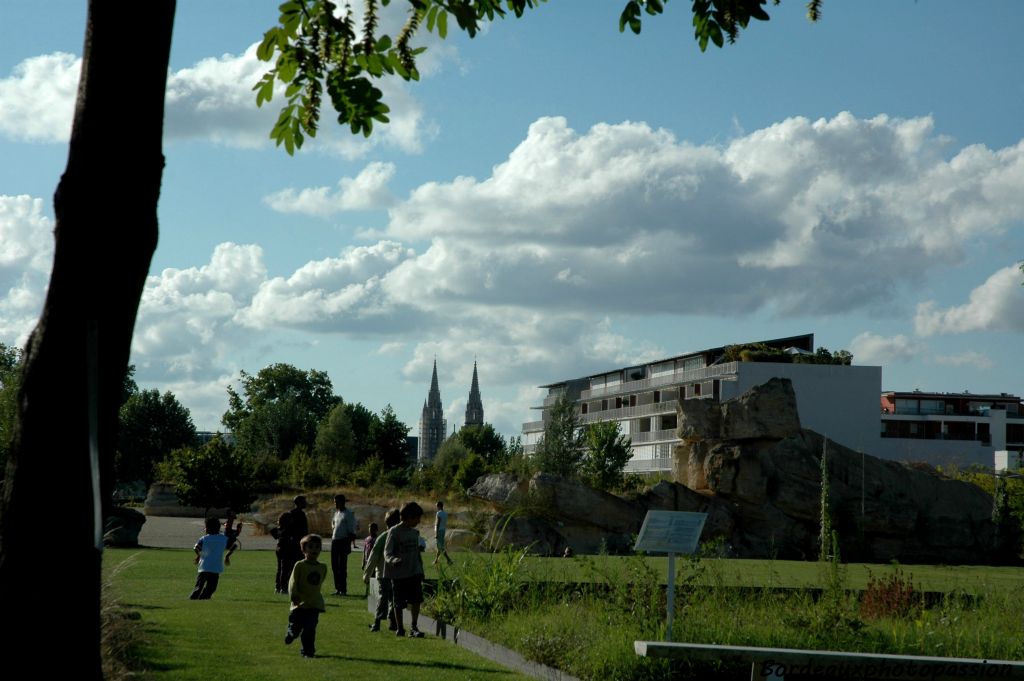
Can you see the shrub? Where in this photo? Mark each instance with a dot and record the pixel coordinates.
(893, 596)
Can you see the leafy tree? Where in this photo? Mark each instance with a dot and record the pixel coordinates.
(471, 468)
(560, 450)
(10, 379)
(608, 452)
(486, 442)
(442, 469)
(311, 45)
(279, 408)
(212, 476)
(152, 425)
(335, 440)
(390, 439)
(361, 420)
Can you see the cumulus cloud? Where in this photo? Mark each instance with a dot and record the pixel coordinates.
(38, 99)
(870, 348)
(26, 255)
(797, 218)
(211, 100)
(366, 191)
(334, 294)
(996, 305)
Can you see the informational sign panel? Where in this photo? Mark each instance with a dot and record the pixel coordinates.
(670, 532)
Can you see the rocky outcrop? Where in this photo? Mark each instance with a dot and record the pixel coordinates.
(749, 465)
(751, 454)
(122, 527)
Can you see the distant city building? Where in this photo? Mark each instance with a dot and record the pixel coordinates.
(835, 400)
(950, 428)
(432, 423)
(204, 436)
(474, 406)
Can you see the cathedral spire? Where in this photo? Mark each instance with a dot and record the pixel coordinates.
(432, 423)
(474, 407)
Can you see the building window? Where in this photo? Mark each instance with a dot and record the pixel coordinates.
(657, 396)
(604, 405)
(618, 403)
(583, 408)
(632, 400)
(696, 389)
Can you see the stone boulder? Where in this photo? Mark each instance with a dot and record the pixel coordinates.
(122, 527)
(575, 503)
(501, 490)
(768, 471)
(768, 412)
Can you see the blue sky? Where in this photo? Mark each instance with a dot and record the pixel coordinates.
(555, 198)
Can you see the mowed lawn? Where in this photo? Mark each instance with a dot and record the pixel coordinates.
(239, 633)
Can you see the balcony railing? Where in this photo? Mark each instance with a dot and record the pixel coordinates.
(725, 371)
(653, 436)
(654, 409)
(533, 426)
(649, 465)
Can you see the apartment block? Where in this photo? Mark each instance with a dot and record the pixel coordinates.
(837, 401)
(950, 428)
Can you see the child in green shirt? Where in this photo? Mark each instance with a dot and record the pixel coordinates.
(304, 592)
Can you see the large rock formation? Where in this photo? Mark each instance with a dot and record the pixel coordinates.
(748, 464)
(752, 454)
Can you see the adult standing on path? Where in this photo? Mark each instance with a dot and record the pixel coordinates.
(343, 533)
(292, 526)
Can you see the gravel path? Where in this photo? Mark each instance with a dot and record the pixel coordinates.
(182, 533)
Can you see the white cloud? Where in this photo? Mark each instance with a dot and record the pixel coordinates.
(366, 191)
(211, 100)
(26, 256)
(798, 218)
(998, 304)
(38, 99)
(335, 294)
(869, 348)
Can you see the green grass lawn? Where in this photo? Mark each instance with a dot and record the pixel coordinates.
(239, 633)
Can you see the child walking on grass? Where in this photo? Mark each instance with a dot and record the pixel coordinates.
(375, 568)
(367, 549)
(404, 566)
(307, 602)
(212, 554)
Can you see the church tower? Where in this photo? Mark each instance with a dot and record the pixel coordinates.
(432, 424)
(474, 407)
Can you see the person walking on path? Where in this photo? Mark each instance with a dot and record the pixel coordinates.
(404, 565)
(307, 602)
(375, 568)
(212, 553)
(440, 527)
(343, 533)
(292, 526)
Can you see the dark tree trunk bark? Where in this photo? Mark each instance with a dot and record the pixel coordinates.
(58, 478)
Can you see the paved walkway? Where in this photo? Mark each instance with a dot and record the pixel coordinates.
(182, 533)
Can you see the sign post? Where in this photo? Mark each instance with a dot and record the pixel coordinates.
(670, 532)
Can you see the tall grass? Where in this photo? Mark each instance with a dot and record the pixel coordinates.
(586, 625)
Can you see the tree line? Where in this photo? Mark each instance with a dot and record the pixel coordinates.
(286, 427)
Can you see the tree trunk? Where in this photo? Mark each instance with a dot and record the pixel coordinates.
(58, 478)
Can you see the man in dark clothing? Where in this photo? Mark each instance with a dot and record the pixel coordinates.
(292, 526)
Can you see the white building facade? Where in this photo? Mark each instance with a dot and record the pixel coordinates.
(840, 402)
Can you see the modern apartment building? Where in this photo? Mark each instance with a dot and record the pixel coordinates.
(837, 401)
(943, 428)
